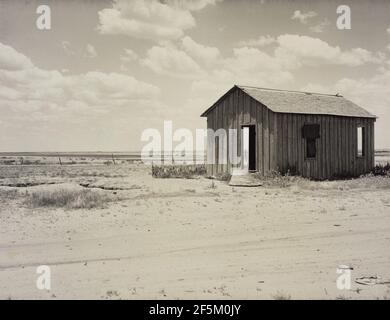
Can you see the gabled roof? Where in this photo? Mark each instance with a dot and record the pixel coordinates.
(283, 101)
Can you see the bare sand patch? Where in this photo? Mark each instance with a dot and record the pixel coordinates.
(194, 238)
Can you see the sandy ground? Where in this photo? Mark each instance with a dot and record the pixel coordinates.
(195, 238)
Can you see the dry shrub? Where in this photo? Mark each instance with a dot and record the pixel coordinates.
(178, 171)
(225, 176)
(281, 296)
(377, 179)
(67, 198)
(369, 181)
(276, 179)
(381, 170)
(8, 194)
(212, 185)
(8, 162)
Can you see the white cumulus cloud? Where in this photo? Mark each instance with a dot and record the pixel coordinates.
(168, 60)
(26, 88)
(261, 41)
(303, 17)
(91, 51)
(150, 19)
(250, 65)
(320, 27)
(206, 54)
(67, 46)
(129, 56)
(370, 93)
(12, 60)
(192, 5)
(304, 50)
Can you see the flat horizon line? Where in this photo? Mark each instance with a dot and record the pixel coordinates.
(76, 152)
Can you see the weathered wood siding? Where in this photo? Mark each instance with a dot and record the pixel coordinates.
(336, 147)
(280, 145)
(238, 109)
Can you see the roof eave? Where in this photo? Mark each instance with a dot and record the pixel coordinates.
(205, 113)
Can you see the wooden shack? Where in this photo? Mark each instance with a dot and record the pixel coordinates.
(318, 136)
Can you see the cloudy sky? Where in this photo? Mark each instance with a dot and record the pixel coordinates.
(107, 70)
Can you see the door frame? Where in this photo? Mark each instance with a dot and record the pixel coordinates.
(252, 153)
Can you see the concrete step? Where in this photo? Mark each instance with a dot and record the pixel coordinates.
(245, 180)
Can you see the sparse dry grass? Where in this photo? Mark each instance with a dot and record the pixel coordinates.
(369, 181)
(276, 179)
(178, 171)
(67, 198)
(223, 176)
(8, 194)
(34, 175)
(281, 296)
(212, 185)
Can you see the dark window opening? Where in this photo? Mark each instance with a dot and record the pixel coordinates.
(311, 150)
(360, 141)
(311, 132)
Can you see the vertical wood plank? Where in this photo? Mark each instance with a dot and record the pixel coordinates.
(259, 134)
(338, 152)
(363, 163)
(239, 121)
(217, 115)
(266, 140)
(231, 126)
(253, 107)
(301, 150)
(344, 141)
(294, 142)
(352, 146)
(289, 140)
(328, 149)
(298, 138)
(214, 171)
(273, 139)
(372, 143)
(311, 161)
(367, 146)
(332, 152)
(285, 143)
(279, 119)
(318, 160)
(353, 140)
(316, 163)
(247, 111)
(256, 121)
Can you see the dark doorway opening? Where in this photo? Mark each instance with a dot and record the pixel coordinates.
(251, 147)
(311, 132)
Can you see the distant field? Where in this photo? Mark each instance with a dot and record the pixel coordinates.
(50, 158)
(382, 156)
(40, 158)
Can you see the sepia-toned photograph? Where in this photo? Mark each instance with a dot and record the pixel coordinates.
(169, 150)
